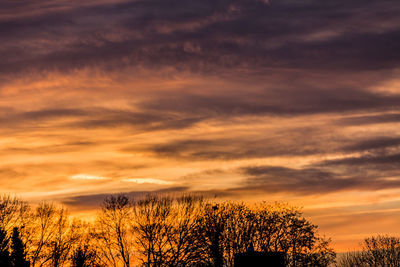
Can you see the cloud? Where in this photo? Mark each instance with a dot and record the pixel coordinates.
(377, 161)
(147, 181)
(15, 117)
(128, 180)
(88, 177)
(287, 101)
(371, 119)
(313, 180)
(201, 35)
(94, 117)
(93, 201)
(229, 148)
(383, 142)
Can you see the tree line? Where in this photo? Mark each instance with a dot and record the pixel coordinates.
(156, 231)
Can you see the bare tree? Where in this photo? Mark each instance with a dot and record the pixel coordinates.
(213, 222)
(320, 254)
(377, 251)
(113, 231)
(166, 230)
(185, 249)
(42, 230)
(282, 228)
(382, 251)
(65, 235)
(152, 226)
(278, 228)
(12, 212)
(239, 230)
(49, 235)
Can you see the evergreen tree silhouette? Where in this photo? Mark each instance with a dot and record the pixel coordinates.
(78, 259)
(5, 259)
(84, 256)
(18, 254)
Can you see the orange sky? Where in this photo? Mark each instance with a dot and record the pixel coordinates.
(243, 100)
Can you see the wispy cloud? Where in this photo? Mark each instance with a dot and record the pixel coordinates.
(88, 177)
(147, 181)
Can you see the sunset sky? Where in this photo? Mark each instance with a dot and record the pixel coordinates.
(248, 100)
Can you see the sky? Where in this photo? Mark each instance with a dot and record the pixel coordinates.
(246, 100)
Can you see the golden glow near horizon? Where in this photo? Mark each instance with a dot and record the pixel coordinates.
(116, 102)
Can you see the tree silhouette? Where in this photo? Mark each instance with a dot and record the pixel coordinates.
(44, 228)
(240, 230)
(65, 235)
(160, 230)
(18, 254)
(112, 231)
(212, 226)
(84, 256)
(12, 212)
(166, 230)
(5, 259)
(229, 228)
(376, 251)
